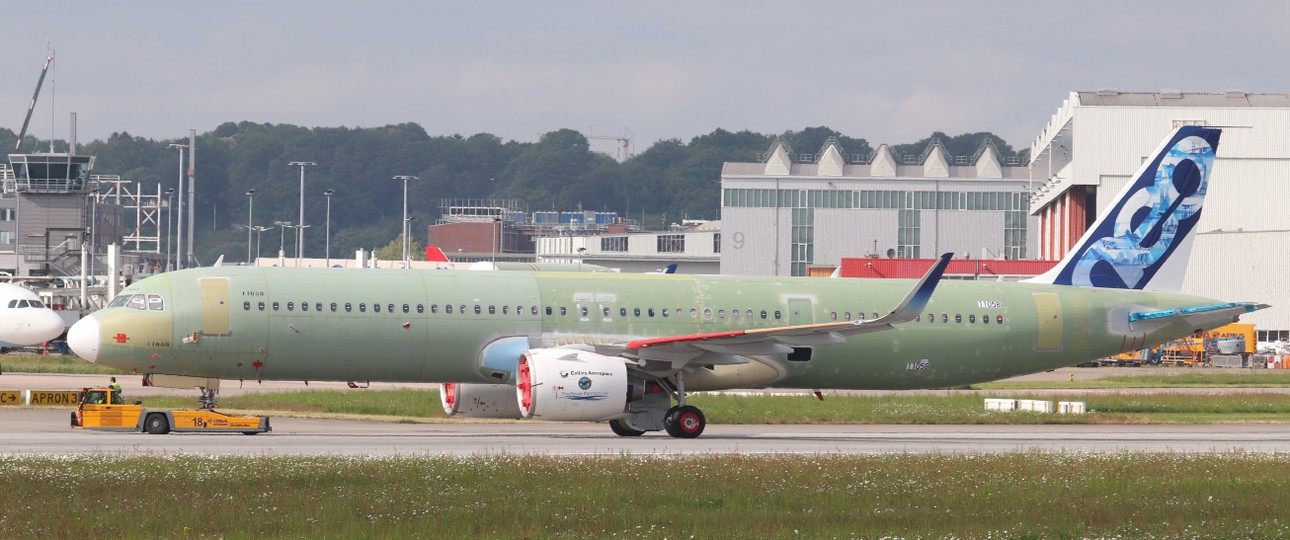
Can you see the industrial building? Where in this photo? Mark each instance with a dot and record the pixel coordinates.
(1095, 142)
(791, 212)
(694, 246)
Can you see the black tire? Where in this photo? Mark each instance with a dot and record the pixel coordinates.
(156, 424)
(620, 429)
(73, 418)
(685, 422)
(250, 433)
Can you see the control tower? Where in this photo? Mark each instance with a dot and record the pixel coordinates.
(48, 216)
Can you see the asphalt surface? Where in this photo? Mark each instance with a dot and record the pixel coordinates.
(47, 431)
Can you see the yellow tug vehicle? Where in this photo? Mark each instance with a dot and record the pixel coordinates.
(105, 409)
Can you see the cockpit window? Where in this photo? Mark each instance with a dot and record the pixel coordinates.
(155, 303)
(137, 301)
(120, 301)
(36, 304)
(13, 304)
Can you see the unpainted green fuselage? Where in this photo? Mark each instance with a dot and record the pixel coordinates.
(430, 326)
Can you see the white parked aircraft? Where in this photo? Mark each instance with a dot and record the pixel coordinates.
(24, 320)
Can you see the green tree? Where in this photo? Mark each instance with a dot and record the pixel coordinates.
(393, 251)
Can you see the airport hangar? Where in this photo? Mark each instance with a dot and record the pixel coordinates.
(791, 212)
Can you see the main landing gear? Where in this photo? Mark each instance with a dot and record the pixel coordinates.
(654, 412)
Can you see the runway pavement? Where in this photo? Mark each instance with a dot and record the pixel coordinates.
(47, 431)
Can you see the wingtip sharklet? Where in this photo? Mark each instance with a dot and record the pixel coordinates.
(916, 301)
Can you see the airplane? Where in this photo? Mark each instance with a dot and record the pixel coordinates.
(24, 319)
(627, 348)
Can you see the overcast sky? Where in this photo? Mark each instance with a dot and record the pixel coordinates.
(889, 71)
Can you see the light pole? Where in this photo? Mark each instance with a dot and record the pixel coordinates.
(496, 234)
(407, 227)
(179, 238)
(300, 234)
(327, 241)
(405, 179)
(250, 221)
(282, 236)
(170, 224)
(258, 231)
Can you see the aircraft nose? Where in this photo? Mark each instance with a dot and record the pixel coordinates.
(83, 338)
(46, 326)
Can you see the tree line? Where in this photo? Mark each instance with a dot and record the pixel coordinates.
(667, 181)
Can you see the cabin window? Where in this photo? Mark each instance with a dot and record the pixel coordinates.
(564, 311)
(945, 318)
(622, 312)
(421, 308)
(999, 319)
(707, 314)
(919, 318)
(666, 312)
(931, 318)
(584, 311)
(875, 314)
(636, 312)
(390, 308)
(434, 308)
(763, 314)
(748, 315)
(651, 313)
(447, 308)
(519, 310)
(860, 315)
(958, 318)
(605, 311)
(734, 314)
(376, 308)
(721, 313)
(847, 315)
(304, 306)
(492, 310)
(406, 308)
(833, 315)
(548, 311)
(478, 310)
(348, 307)
(291, 306)
(972, 318)
(985, 319)
(506, 310)
(261, 306)
(694, 314)
(362, 308)
(777, 316)
(246, 306)
(317, 306)
(333, 307)
(275, 306)
(461, 309)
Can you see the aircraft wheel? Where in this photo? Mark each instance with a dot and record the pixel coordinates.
(685, 422)
(621, 429)
(156, 424)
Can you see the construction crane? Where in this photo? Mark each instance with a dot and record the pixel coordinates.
(31, 108)
(624, 141)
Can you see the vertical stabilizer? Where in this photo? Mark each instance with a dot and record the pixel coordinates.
(1143, 239)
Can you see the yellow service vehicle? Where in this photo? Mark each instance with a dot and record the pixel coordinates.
(105, 409)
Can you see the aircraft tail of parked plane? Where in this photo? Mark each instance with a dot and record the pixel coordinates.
(628, 348)
(1142, 240)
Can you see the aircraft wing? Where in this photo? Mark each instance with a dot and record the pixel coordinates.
(1198, 315)
(726, 347)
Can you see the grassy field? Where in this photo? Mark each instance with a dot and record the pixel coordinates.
(54, 363)
(721, 496)
(1150, 378)
(423, 406)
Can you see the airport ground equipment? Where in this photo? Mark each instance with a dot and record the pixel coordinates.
(105, 409)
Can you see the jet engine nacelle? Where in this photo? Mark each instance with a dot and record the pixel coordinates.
(571, 384)
(479, 400)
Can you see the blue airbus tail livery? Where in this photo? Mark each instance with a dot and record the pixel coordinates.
(1143, 239)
